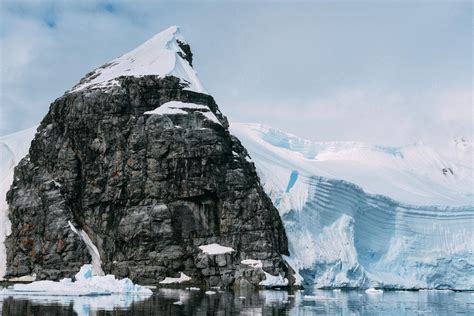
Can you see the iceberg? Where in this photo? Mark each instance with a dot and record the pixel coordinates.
(85, 284)
(368, 216)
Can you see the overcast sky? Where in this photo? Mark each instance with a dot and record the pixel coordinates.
(392, 73)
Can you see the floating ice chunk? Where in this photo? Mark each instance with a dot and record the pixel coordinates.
(253, 263)
(215, 249)
(182, 278)
(373, 291)
(86, 284)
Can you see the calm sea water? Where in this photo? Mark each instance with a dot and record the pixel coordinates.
(196, 302)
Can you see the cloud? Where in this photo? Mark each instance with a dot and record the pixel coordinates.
(387, 73)
(368, 114)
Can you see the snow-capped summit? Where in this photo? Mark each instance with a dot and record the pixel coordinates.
(165, 54)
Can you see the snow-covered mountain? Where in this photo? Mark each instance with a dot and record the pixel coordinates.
(360, 215)
(165, 54)
(135, 169)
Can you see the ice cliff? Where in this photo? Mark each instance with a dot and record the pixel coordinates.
(362, 215)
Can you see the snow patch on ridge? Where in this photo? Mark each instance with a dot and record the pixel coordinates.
(177, 107)
(160, 55)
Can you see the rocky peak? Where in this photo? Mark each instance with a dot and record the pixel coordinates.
(141, 160)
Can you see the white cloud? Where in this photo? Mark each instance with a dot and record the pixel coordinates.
(326, 74)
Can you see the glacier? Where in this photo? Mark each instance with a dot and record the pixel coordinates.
(360, 215)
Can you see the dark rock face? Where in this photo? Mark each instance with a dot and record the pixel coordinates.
(147, 189)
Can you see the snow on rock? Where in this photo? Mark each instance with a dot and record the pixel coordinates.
(182, 278)
(177, 107)
(86, 284)
(24, 278)
(13, 148)
(161, 55)
(253, 263)
(404, 223)
(215, 249)
(93, 251)
(273, 280)
(295, 264)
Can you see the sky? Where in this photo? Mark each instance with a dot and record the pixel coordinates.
(391, 72)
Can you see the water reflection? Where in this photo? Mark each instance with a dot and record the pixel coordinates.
(267, 302)
(58, 305)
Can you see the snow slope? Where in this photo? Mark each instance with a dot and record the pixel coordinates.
(362, 215)
(161, 55)
(13, 148)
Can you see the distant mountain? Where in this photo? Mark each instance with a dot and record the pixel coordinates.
(363, 215)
